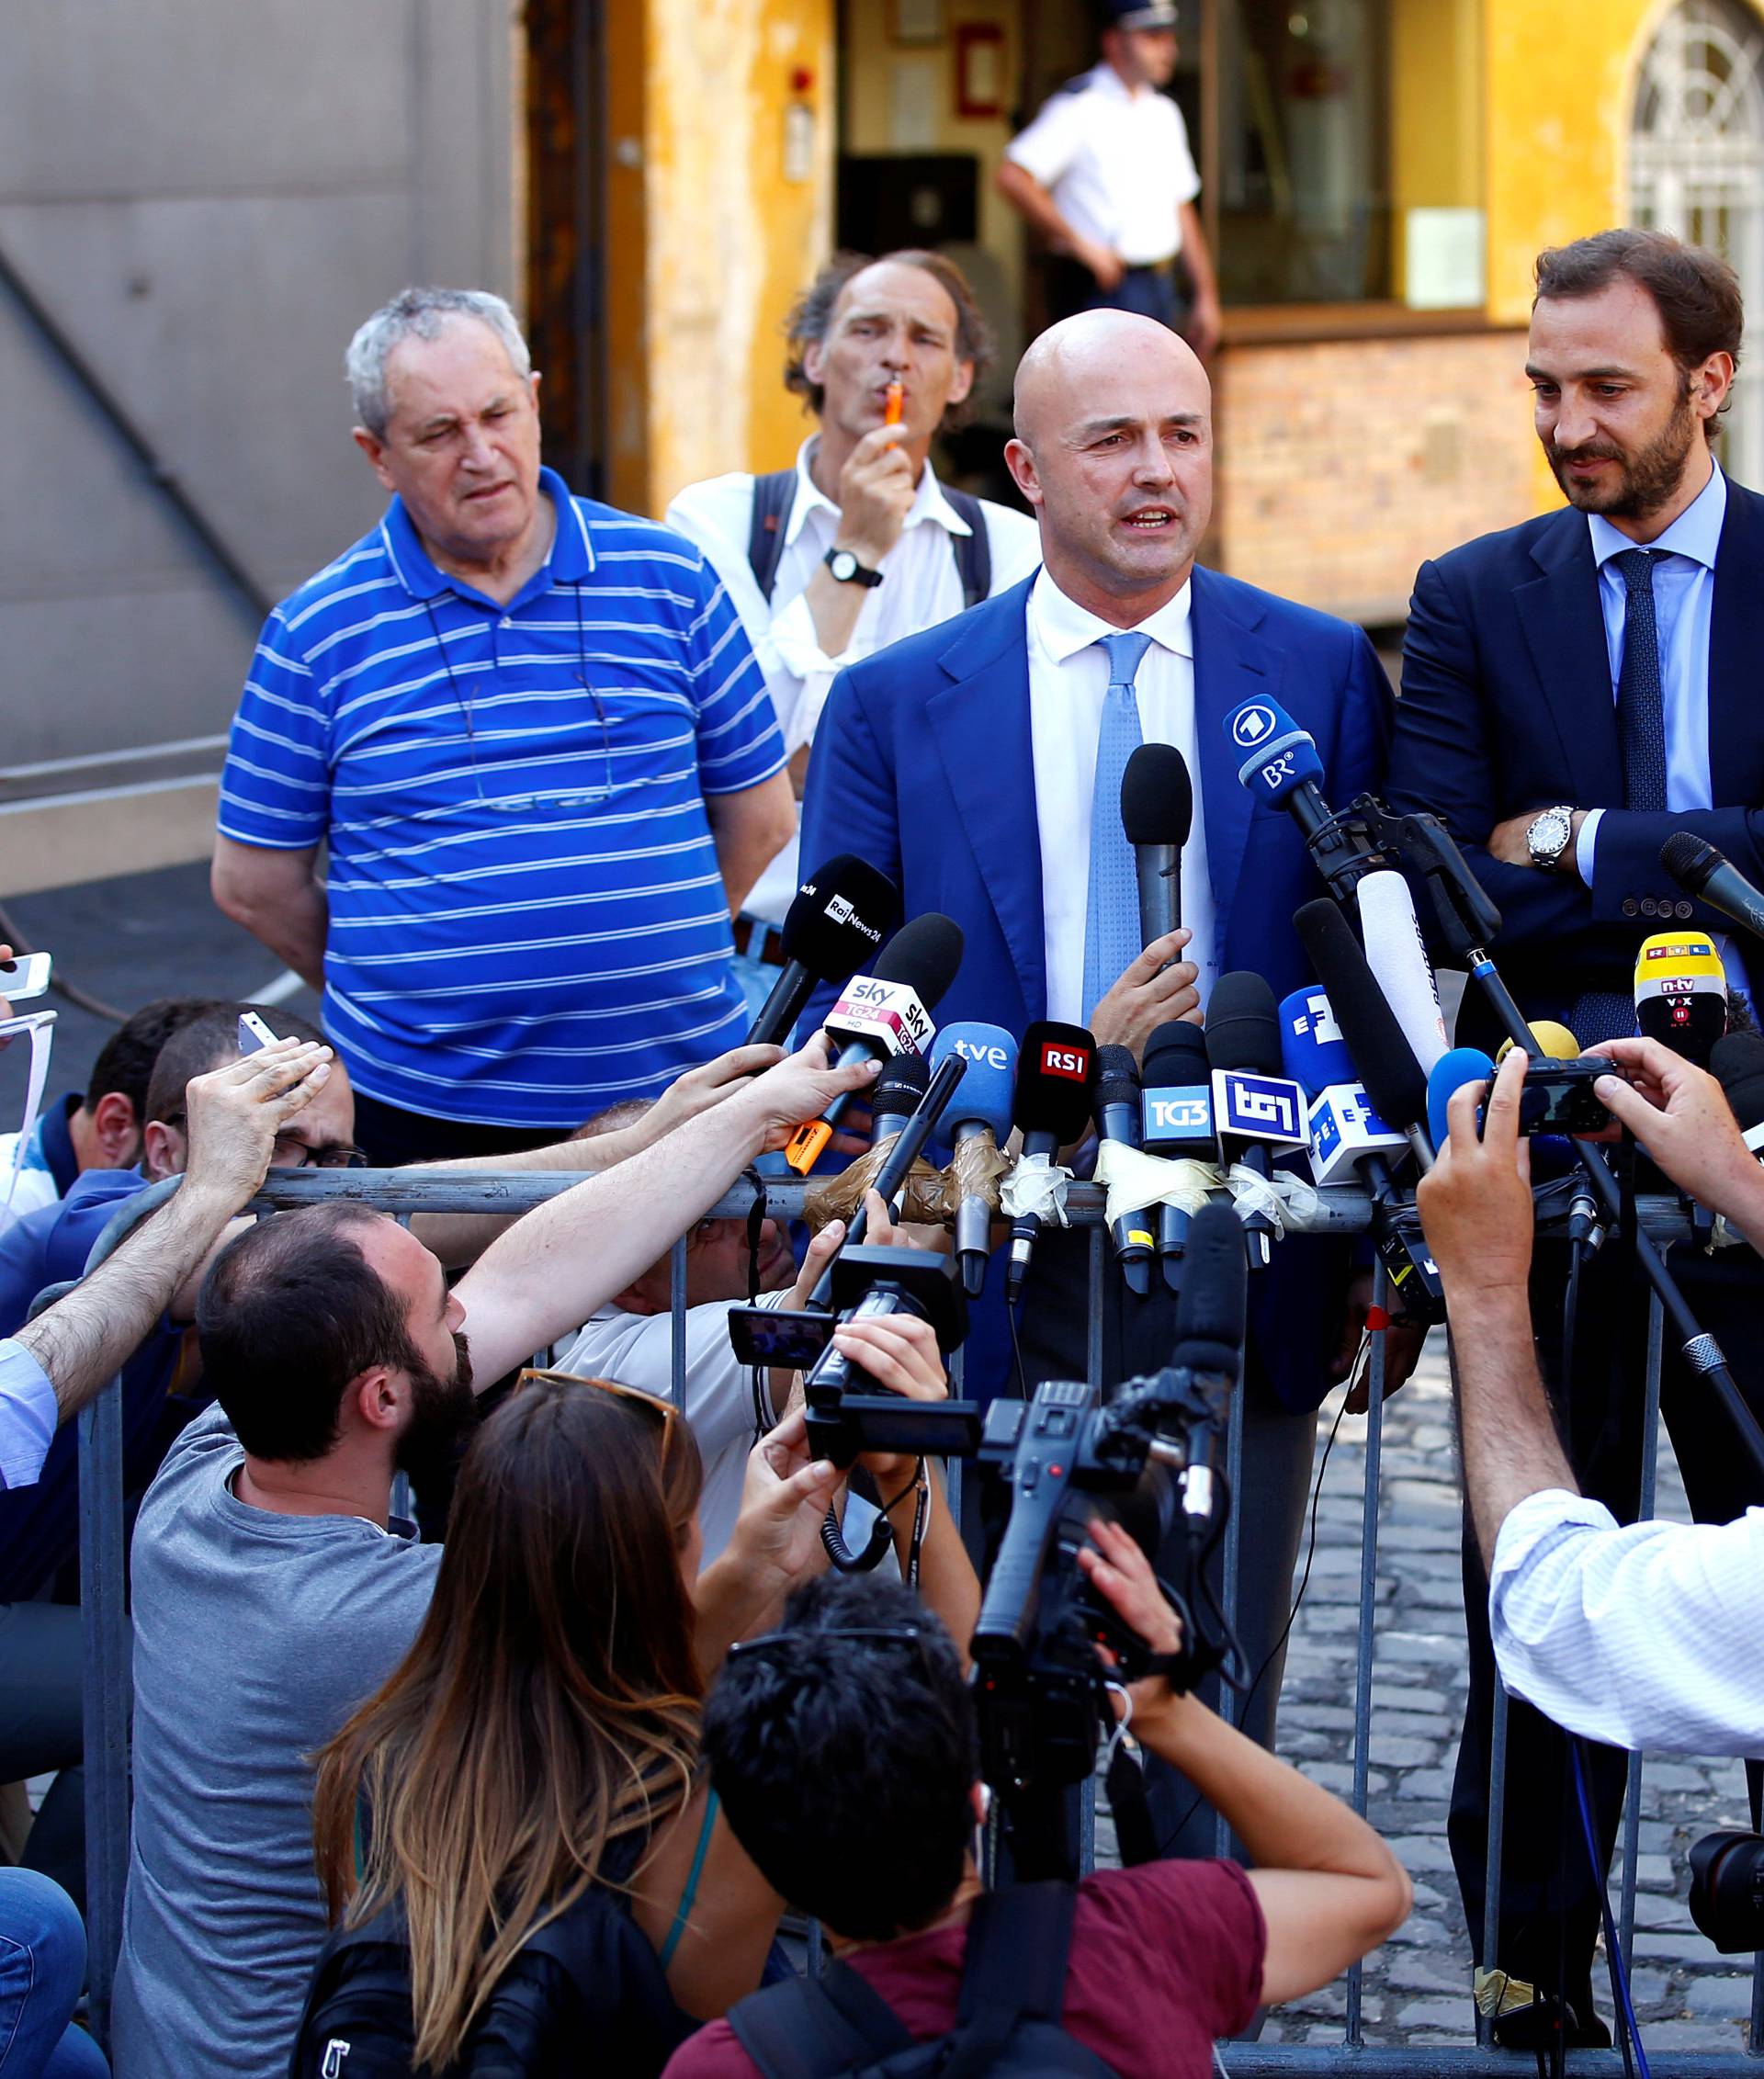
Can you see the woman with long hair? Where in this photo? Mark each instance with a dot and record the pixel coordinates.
(542, 1735)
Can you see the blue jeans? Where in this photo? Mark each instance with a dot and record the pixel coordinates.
(42, 1967)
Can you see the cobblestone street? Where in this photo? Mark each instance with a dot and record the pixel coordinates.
(1417, 1986)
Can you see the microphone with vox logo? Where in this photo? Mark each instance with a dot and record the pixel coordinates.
(1176, 1122)
(1254, 1102)
(1157, 807)
(883, 1013)
(840, 917)
(979, 1123)
(1051, 1109)
(1681, 993)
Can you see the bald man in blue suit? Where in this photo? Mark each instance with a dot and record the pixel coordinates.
(964, 762)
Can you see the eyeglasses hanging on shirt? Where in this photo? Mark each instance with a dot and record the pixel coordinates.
(526, 803)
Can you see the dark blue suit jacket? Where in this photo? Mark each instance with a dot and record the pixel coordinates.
(923, 764)
(1507, 708)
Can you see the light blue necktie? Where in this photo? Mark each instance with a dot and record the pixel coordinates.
(1112, 914)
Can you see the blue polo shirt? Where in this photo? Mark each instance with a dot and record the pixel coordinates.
(527, 922)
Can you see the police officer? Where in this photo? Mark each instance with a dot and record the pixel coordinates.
(1105, 175)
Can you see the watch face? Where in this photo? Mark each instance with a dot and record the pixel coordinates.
(1550, 832)
(842, 563)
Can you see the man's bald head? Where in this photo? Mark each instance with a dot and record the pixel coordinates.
(1114, 449)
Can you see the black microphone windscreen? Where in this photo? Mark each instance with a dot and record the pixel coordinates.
(1381, 1056)
(1116, 1076)
(903, 1081)
(1053, 1092)
(923, 953)
(1156, 796)
(1243, 1025)
(842, 912)
(1736, 1062)
(1209, 1308)
(1690, 860)
(1176, 1056)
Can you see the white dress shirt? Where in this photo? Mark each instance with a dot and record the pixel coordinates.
(1642, 1636)
(1068, 677)
(920, 586)
(1116, 162)
(28, 1413)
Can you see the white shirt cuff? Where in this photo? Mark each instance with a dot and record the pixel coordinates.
(31, 1415)
(1586, 844)
(1541, 1515)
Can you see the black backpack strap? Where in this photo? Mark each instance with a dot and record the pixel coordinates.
(1018, 1941)
(973, 550)
(808, 2028)
(773, 495)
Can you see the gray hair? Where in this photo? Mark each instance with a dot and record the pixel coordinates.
(420, 313)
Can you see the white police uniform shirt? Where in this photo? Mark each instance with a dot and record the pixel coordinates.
(920, 587)
(1116, 162)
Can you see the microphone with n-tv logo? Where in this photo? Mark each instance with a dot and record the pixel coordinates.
(1050, 1108)
(883, 1013)
(1176, 1122)
(1681, 993)
(1253, 1100)
(978, 1123)
(836, 924)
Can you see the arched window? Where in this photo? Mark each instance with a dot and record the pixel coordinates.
(1696, 168)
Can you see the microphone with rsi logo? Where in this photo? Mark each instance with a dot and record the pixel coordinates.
(1253, 1102)
(1381, 1051)
(1157, 807)
(1397, 957)
(1700, 870)
(980, 1119)
(1117, 1119)
(1051, 1108)
(884, 1013)
(1346, 1133)
(1681, 993)
(1176, 1122)
(841, 915)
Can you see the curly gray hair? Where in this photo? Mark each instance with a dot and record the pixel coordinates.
(420, 313)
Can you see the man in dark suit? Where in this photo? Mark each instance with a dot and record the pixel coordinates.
(1575, 690)
(967, 762)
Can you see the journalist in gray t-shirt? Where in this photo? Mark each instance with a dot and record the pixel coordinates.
(256, 1635)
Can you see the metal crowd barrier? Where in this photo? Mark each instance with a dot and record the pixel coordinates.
(402, 1195)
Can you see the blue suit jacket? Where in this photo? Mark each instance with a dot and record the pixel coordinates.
(1507, 708)
(923, 764)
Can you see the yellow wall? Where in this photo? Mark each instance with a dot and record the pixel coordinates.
(729, 238)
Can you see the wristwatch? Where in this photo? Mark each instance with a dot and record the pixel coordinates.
(1547, 838)
(846, 567)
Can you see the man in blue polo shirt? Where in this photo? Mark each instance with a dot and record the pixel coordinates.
(531, 733)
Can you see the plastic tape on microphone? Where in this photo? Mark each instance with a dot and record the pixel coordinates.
(1135, 1180)
(1036, 1187)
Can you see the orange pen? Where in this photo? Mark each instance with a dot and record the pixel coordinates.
(891, 405)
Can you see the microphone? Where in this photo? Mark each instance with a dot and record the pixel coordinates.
(1681, 993)
(1252, 1100)
(1700, 870)
(1051, 1106)
(1736, 1063)
(841, 915)
(1157, 807)
(1281, 765)
(1346, 1133)
(1398, 956)
(1176, 1122)
(1448, 1076)
(1554, 1043)
(1209, 1338)
(1117, 1119)
(980, 1117)
(1381, 1051)
(894, 1097)
(884, 1013)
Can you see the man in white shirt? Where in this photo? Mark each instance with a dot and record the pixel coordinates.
(1105, 175)
(1640, 1635)
(858, 544)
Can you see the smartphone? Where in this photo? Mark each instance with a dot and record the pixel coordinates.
(253, 1034)
(26, 976)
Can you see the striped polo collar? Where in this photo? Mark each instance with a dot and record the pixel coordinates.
(571, 559)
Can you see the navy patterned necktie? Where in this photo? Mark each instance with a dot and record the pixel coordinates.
(1112, 912)
(1641, 708)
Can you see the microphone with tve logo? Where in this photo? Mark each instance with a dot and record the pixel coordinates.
(841, 915)
(1176, 1122)
(883, 1013)
(1253, 1100)
(1157, 807)
(979, 1120)
(1051, 1107)
(1117, 1119)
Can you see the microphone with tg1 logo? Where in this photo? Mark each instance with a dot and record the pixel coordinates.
(1118, 1119)
(1176, 1122)
(883, 1013)
(1051, 1108)
(840, 917)
(1681, 993)
(1700, 870)
(978, 1122)
(1253, 1100)
(1382, 1056)
(1157, 807)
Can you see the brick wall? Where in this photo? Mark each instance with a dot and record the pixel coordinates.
(1342, 464)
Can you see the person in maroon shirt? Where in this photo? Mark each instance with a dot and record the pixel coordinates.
(845, 1753)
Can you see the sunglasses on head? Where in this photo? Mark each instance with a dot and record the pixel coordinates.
(882, 1634)
(665, 1411)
